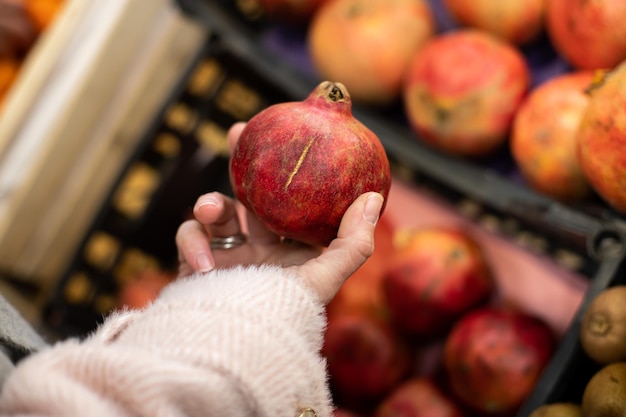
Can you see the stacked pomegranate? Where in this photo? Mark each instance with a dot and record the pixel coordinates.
(420, 330)
(471, 80)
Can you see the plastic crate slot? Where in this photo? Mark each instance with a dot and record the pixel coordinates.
(101, 250)
(213, 137)
(206, 78)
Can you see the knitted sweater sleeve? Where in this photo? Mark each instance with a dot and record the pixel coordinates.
(239, 342)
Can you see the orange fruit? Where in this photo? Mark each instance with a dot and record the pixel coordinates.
(42, 12)
(9, 69)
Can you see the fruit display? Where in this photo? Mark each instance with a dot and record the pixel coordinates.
(392, 343)
(542, 111)
(478, 351)
(463, 78)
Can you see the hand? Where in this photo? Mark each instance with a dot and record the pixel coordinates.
(17, 33)
(322, 270)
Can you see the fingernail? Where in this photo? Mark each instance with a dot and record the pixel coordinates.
(207, 200)
(204, 262)
(373, 204)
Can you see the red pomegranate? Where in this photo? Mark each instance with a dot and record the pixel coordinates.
(589, 34)
(462, 91)
(494, 357)
(543, 141)
(366, 357)
(518, 22)
(367, 44)
(418, 396)
(602, 138)
(436, 276)
(299, 165)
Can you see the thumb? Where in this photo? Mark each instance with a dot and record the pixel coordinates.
(346, 253)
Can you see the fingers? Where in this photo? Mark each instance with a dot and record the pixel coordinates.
(218, 213)
(215, 215)
(233, 135)
(193, 248)
(352, 247)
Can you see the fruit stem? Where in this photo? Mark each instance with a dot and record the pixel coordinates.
(599, 325)
(335, 93)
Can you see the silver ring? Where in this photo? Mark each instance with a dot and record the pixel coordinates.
(228, 242)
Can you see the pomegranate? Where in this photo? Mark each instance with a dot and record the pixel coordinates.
(418, 396)
(143, 289)
(602, 139)
(494, 357)
(543, 141)
(589, 34)
(462, 91)
(43, 12)
(366, 357)
(299, 165)
(367, 44)
(344, 412)
(513, 21)
(434, 278)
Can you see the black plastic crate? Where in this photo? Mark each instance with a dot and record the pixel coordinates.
(233, 77)
(566, 376)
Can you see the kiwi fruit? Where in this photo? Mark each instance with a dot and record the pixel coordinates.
(603, 326)
(605, 393)
(558, 410)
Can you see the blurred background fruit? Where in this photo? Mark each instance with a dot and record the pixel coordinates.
(416, 397)
(435, 276)
(144, 288)
(603, 326)
(543, 140)
(518, 22)
(43, 12)
(495, 356)
(462, 91)
(367, 44)
(9, 69)
(558, 410)
(589, 34)
(605, 393)
(602, 138)
(366, 357)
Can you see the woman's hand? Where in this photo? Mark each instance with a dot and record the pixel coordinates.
(17, 33)
(322, 270)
